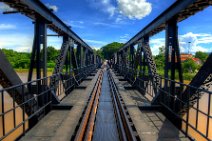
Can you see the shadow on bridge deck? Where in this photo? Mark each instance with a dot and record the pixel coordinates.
(151, 125)
(59, 125)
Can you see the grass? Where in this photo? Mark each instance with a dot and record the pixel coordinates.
(186, 76)
(49, 70)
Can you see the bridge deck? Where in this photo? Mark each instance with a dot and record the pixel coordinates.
(151, 125)
(59, 125)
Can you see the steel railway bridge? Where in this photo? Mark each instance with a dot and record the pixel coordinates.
(84, 99)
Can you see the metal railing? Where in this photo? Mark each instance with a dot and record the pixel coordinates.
(36, 99)
(188, 107)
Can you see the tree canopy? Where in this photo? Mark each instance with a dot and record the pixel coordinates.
(109, 49)
(201, 55)
(160, 58)
(21, 60)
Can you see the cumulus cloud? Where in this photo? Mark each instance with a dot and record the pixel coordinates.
(7, 26)
(103, 5)
(53, 7)
(123, 9)
(22, 44)
(189, 41)
(4, 7)
(155, 44)
(134, 9)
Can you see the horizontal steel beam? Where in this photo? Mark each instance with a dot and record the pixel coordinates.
(32, 8)
(181, 9)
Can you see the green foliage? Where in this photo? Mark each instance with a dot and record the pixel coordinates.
(160, 58)
(52, 53)
(189, 66)
(201, 55)
(17, 59)
(188, 76)
(98, 52)
(110, 49)
(51, 65)
(21, 60)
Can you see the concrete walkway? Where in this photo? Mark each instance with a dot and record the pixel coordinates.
(150, 125)
(60, 125)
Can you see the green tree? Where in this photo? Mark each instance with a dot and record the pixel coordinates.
(189, 66)
(52, 53)
(110, 49)
(160, 58)
(201, 55)
(17, 59)
(98, 52)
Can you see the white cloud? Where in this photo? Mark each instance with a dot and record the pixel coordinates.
(134, 9)
(197, 42)
(4, 7)
(155, 44)
(7, 26)
(106, 24)
(105, 6)
(124, 38)
(95, 43)
(23, 42)
(53, 7)
(193, 42)
(56, 42)
(76, 24)
(18, 42)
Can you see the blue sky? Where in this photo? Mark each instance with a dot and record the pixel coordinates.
(100, 22)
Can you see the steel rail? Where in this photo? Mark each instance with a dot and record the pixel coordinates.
(86, 127)
(125, 130)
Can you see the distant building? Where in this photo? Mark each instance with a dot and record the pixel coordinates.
(186, 56)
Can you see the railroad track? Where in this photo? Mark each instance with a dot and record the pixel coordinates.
(122, 119)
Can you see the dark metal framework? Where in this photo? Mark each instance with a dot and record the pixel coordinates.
(75, 62)
(135, 62)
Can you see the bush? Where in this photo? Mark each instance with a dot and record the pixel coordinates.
(50, 65)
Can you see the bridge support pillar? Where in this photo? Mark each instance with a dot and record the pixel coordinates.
(39, 62)
(79, 56)
(132, 55)
(38, 58)
(172, 58)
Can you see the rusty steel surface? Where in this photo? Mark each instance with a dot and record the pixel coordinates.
(126, 132)
(105, 123)
(105, 117)
(89, 111)
(89, 133)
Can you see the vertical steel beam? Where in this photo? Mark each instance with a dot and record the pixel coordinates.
(38, 44)
(79, 55)
(172, 52)
(172, 62)
(84, 57)
(38, 60)
(132, 55)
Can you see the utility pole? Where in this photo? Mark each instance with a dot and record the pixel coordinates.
(189, 43)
